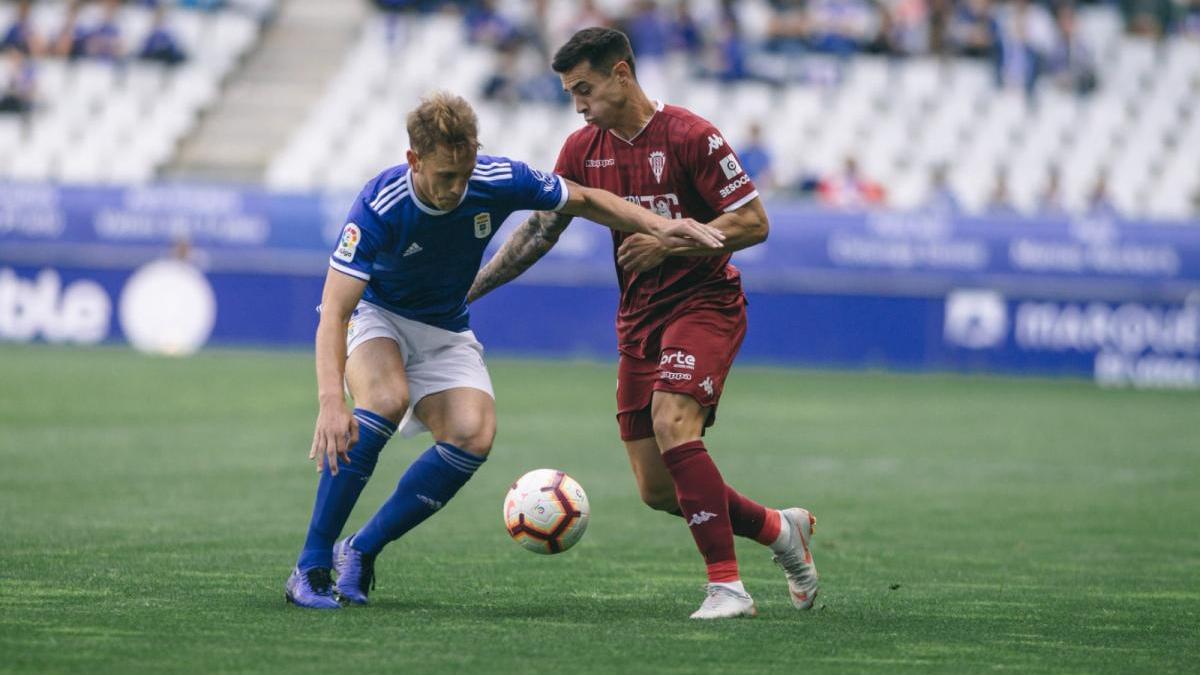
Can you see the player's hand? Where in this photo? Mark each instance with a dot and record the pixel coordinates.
(687, 233)
(641, 252)
(336, 433)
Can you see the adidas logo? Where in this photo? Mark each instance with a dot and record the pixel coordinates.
(700, 518)
(431, 503)
(413, 250)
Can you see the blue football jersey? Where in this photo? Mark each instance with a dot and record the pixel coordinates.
(420, 262)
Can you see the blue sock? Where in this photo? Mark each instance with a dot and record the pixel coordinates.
(428, 484)
(336, 495)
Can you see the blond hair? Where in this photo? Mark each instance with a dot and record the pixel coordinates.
(443, 120)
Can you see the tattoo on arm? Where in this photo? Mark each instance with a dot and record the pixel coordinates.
(528, 243)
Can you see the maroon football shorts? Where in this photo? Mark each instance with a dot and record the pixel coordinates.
(696, 351)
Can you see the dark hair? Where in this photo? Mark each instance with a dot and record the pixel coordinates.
(602, 48)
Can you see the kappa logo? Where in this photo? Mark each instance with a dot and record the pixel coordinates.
(700, 518)
(674, 377)
(715, 142)
(599, 163)
(658, 164)
(707, 385)
(413, 250)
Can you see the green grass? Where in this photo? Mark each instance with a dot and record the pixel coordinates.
(151, 509)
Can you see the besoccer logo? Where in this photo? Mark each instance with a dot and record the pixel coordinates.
(715, 142)
(658, 163)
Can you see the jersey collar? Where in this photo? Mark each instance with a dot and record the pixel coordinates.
(658, 106)
(412, 190)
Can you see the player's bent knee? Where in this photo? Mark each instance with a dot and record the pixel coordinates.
(388, 404)
(478, 442)
(672, 428)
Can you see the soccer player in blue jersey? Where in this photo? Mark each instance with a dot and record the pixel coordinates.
(394, 332)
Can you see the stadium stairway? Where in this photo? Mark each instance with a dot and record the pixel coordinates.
(269, 96)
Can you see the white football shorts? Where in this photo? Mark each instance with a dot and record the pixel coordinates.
(435, 359)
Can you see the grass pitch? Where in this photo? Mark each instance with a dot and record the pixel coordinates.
(151, 509)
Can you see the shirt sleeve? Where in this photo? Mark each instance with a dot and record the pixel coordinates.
(359, 242)
(716, 170)
(537, 191)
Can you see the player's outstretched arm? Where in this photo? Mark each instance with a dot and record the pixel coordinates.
(608, 209)
(743, 227)
(336, 431)
(527, 244)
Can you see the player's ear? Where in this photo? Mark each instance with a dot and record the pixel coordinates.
(414, 160)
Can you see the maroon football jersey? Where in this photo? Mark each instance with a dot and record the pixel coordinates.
(678, 166)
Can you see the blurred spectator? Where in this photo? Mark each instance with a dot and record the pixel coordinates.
(1148, 18)
(906, 27)
(842, 27)
(940, 13)
(202, 5)
(756, 159)
(589, 15)
(1000, 201)
(504, 84)
(941, 197)
(685, 34)
(486, 25)
(788, 27)
(649, 31)
(973, 31)
(18, 87)
(1072, 64)
(22, 34)
(1188, 25)
(161, 44)
(68, 43)
(1027, 37)
(728, 57)
(103, 41)
(1050, 201)
(1099, 204)
(849, 189)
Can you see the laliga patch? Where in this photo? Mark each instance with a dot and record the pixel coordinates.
(348, 243)
(483, 225)
(730, 166)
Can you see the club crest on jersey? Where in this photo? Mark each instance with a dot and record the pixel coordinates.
(483, 225)
(348, 243)
(658, 164)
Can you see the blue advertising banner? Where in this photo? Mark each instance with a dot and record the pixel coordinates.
(1096, 297)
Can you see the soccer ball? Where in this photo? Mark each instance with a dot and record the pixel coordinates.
(546, 511)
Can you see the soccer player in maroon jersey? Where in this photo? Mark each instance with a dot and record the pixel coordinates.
(682, 313)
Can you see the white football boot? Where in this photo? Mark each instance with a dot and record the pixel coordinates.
(792, 553)
(725, 602)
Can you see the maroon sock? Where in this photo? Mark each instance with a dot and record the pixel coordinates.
(748, 518)
(751, 519)
(702, 496)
